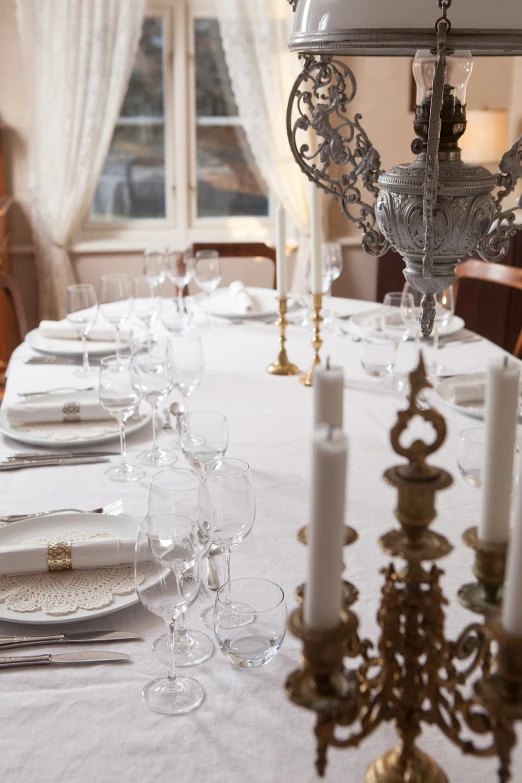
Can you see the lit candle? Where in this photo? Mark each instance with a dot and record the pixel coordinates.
(281, 271)
(316, 276)
(328, 395)
(511, 602)
(323, 592)
(500, 420)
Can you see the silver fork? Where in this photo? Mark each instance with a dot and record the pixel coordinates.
(112, 509)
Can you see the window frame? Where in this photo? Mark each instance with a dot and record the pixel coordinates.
(181, 226)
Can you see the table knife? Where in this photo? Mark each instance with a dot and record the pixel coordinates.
(18, 465)
(85, 637)
(61, 360)
(39, 455)
(63, 658)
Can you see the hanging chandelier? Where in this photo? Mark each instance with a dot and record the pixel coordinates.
(437, 209)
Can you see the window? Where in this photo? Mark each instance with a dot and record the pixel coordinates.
(179, 159)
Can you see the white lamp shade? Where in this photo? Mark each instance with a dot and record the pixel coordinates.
(400, 27)
(486, 137)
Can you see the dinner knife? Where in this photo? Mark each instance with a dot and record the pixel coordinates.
(62, 658)
(39, 455)
(17, 465)
(85, 637)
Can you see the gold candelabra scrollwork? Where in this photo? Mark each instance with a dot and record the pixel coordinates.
(282, 366)
(415, 676)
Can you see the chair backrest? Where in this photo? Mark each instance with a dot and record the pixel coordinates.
(10, 288)
(251, 262)
(492, 273)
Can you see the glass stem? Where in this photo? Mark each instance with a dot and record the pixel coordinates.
(226, 556)
(118, 342)
(154, 406)
(123, 445)
(171, 629)
(182, 629)
(85, 354)
(436, 348)
(180, 299)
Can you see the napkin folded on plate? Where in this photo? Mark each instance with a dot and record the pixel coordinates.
(468, 391)
(93, 553)
(63, 330)
(243, 300)
(64, 407)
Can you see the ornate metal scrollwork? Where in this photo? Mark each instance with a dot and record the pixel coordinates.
(320, 97)
(293, 3)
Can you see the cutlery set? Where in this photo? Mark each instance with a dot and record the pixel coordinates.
(52, 458)
(112, 509)
(14, 642)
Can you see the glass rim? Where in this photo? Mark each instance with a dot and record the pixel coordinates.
(114, 359)
(207, 413)
(222, 460)
(251, 579)
(465, 434)
(201, 480)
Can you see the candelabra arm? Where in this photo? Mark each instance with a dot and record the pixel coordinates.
(494, 246)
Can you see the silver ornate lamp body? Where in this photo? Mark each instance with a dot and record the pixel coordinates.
(437, 209)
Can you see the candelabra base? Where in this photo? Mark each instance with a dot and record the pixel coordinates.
(394, 767)
(308, 377)
(283, 367)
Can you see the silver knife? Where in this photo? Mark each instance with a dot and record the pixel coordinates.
(18, 465)
(63, 658)
(43, 455)
(85, 637)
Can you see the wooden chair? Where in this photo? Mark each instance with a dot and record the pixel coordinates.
(492, 273)
(251, 262)
(13, 323)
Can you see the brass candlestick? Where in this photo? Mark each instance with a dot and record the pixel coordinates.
(484, 595)
(317, 319)
(282, 366)
(415, 676)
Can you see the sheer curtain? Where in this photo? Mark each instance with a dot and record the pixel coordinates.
(262, 70)
(78, 56)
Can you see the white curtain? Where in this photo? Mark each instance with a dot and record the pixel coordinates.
(78, 57)
(262, 71)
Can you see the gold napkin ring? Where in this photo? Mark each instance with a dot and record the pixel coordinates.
(59, 556)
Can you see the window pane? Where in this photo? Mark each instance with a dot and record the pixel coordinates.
(214, 97)
(132, 183)
(229, 183)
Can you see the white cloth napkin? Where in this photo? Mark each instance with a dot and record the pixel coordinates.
(93, 553)
(63, 330)
(69, 406)
(243, 301)
(469, 391)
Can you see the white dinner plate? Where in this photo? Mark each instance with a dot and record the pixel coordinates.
(81, 433)
(52, 527)
(473, 408)
(58, 347)
(369, 323)
(223, 305)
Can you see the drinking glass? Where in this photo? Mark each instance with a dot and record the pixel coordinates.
(207, 273)
(378, 358)
(175, 316)
(394, 326)
(154, 266)
(411, 315)
(116, 302)
(470, 454)
(167, 578)
(231, 492)
(147, 300)
(444, 310)
(189, 365)
(82, 312)
(257, 640)
(183, 491)
(152, 377)
(333, 267)
(204, 438)
(119, 398)
(180, 271)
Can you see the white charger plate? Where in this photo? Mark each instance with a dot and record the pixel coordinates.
(58, 347)
(223, 305)
(83, 438)
(444, 391)
(368, 323)
(51, 527)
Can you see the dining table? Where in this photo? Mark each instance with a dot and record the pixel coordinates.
(89, 723)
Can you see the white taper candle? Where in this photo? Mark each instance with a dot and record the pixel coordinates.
(328, 395)
(281, 266)
(512, 600)
(316, 275)
(323, 591)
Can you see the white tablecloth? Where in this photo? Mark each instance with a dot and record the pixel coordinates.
(80, 724)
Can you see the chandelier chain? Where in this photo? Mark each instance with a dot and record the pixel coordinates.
(443, 5)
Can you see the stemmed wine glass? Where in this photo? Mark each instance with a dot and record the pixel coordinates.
(394, 326)
(333, 267)
(116, 302)
(231, 492)
(180, 271)
(82, 312)
(152, 377)
(189, 365)
(183, 491)
(119, 398)
(444, 310)
(411, 315)
(154, 266)
(207, 274)
(147, 300)
(204, 437)
(167, 579)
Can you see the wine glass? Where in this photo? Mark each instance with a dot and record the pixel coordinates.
(189, 365)
(332, 259)
(394, 326)
(167, 579)
(116, 302)
(204, 437)
(147, 300)
(175, 317)
(411, 315)
(152, 377)
(154, 266)
(444, 310)
(119, 398)
(207, 273)
(180, 271)
(231, 492)
(183, 491)
(82, 312)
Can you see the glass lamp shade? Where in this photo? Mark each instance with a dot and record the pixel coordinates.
(458, 71)
(401, 27)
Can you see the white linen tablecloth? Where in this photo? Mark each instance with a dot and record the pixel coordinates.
(89, 723)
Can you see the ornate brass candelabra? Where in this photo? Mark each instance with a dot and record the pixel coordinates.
(471, 686)
(282, 366)
(317, 319)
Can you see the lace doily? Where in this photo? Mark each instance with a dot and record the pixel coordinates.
(70, 431)
(64, 592)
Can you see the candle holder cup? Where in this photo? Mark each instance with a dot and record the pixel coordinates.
(282, 366)
(484, 595)
(317, 319)
(414, 675)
